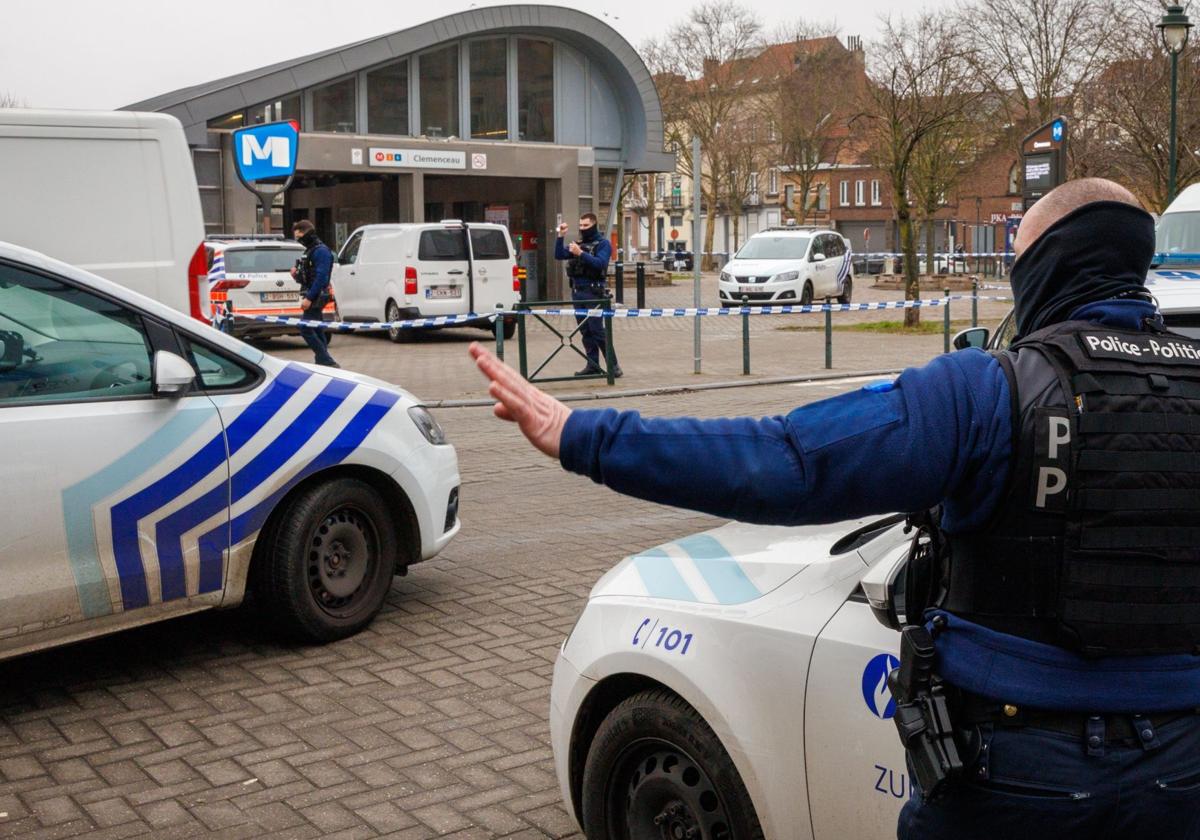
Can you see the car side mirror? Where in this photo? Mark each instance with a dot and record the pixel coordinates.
(818, 256)
(173, 375)
(972, 337)
(883, 584)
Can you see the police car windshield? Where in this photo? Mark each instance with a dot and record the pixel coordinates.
(1177, 239)
(774, 248)
(260, 260)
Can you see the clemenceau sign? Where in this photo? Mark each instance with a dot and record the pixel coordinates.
(417, 159)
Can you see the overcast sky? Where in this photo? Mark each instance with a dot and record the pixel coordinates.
(92, 54)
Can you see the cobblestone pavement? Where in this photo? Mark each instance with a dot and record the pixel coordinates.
(430, 723)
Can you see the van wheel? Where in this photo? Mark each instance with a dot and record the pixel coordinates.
(396, 334)
(509, 326)
(328, 566)
(847, 289)
(656, 769)
(806, 294)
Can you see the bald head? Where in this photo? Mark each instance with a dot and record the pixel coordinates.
(1061, 201)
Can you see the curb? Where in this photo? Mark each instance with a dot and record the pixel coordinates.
(666, 390)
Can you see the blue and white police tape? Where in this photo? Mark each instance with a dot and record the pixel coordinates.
(683, 312)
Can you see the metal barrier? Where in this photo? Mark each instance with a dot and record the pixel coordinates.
(565, 340)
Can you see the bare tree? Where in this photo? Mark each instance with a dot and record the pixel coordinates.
(696, 67)
(9, 100)
(919, 85)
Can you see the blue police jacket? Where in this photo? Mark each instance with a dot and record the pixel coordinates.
(597, 261)
(937, 434)
(322, 263)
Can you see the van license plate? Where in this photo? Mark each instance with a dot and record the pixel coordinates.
(441, 292)
(273, 297)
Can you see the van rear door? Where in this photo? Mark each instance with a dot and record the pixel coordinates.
(442, 265)
(494, 264)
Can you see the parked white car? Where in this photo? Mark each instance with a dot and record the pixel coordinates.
(157, 467)
(251, 275)
(402, 271)
(789, 265)
(732, 680)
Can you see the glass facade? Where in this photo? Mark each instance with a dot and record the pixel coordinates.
(489, 89)
(439, 92)
(535, 90)
(387, 99)
(333, 107)
(282, 109)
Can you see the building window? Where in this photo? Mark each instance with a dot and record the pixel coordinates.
(860, 193)
(387, 99)
(1014, 179)
(535, 90)
(333, 107)
(823, 197)
(876, 198)
(844, 193)
(282, 109)
(489, 89)
(753, 183)
(229, 122)
(789, 196)
(660, 187)
(772, 181)
(439, 92)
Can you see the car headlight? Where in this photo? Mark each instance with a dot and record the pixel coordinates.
(786, 277)
(726, 277)
(429, 427)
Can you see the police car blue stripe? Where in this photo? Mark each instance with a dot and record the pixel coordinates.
(169, 530)
(720, 571)
(660, 577)
(243, 526)
(213, 455)
(78, 500)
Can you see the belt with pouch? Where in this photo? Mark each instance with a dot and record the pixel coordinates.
(1118, 727)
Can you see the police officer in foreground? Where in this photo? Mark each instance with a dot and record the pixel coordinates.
(587, 272)
(313, 276)
(1051, 687)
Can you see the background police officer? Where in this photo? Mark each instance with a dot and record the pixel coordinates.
(1065, 605)
(313, 276)
(587, 272)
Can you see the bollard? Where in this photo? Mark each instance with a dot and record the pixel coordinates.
(974, 301)
(745, 336)
(522, 350)
(609, 359)
(640, 275)
(498, 325)
(619, 280)
(828, 335)
(946, 325)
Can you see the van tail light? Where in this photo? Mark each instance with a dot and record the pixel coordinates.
(198, 284)
(516, 277)
(410, 280)
(226, 285)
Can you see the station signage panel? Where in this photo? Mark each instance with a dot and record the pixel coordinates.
(266, 151)
(1043, 160)
(416, 158)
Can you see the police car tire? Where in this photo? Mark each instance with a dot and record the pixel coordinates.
(659, 723)
(847, 290)
(289, 567)
(806, 294)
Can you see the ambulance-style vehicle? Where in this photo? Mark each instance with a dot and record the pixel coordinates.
(154, 466)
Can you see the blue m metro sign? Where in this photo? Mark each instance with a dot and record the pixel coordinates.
(266, 151)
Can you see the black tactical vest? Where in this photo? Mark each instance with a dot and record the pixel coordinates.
(1095, 546)
(577, 269)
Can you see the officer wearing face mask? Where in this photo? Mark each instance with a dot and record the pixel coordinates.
(1050, 677)
(587, 270)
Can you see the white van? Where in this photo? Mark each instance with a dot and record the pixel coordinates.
(112, 192)
(1177, 234)
(400, 271)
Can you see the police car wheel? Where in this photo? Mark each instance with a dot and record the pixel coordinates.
(328, 567)
(807, 294)
(655, 770)
(847, 290)
(398, 335)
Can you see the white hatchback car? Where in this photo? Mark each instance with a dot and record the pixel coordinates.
(157, 467)
(789, 265)
(251, 275)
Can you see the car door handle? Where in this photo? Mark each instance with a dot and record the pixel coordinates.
(456, 271)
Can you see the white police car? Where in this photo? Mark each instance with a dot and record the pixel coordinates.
(790, 264)
(731, 684)
(154, 467)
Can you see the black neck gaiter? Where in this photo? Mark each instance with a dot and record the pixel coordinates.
(1099, 251)
(310, 240)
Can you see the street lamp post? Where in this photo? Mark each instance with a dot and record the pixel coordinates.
(1174, 28)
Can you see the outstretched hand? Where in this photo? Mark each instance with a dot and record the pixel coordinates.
(539, 416)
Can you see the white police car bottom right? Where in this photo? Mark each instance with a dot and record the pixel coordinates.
(732, 684)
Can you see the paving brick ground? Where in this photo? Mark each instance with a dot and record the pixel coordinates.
(433, 722)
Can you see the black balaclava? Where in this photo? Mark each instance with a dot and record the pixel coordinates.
(310, 240)
(1099, 251)
(591, 233)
